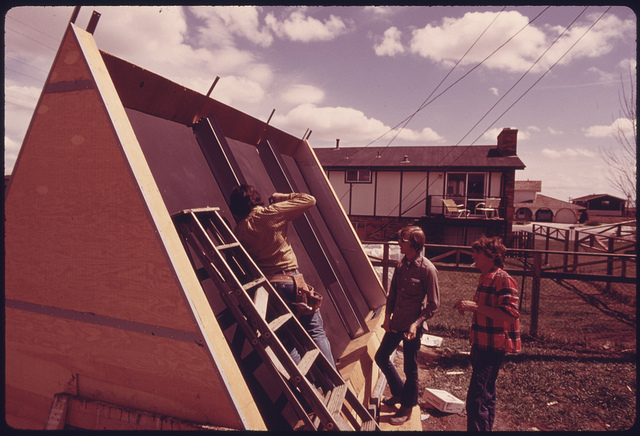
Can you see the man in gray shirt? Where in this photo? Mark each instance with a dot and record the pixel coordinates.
(413, 298)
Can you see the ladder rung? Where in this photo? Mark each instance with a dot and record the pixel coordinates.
(307, 360)
(276, 362)
(369, 425)
(227, 246)
(260, 301)
(279, 321)
(334, 405)
(252, 284)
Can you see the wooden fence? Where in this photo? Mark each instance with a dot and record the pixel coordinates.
(532, 266)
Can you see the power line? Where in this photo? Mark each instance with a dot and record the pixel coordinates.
(23, 74)
(536, 82)
(33, 28)
(32, 39)
(446, 76)
(28, 65)
(548, 70)
(426, 103)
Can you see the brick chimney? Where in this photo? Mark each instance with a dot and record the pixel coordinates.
(508, 141)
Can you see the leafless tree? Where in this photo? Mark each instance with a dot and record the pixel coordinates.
(621, 159)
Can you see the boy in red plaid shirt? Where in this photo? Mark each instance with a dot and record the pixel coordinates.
(494, 331)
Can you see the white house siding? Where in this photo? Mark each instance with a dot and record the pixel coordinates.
(388, 193)
(362, 197)
(336, 178)
(414, 192)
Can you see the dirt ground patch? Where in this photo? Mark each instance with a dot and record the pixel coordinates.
(542, 389)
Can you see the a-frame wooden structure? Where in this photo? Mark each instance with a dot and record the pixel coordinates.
(103, 307)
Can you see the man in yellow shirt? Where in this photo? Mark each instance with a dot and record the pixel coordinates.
(263, 233)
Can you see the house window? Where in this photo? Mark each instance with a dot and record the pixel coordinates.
(461, 186)
(358, 176)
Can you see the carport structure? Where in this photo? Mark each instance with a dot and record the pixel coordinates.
(104, 309)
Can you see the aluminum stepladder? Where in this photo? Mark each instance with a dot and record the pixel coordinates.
(321, 399)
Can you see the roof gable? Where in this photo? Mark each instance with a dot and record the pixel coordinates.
(596, 196)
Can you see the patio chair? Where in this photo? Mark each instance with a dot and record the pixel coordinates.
(454, 209)
(489, 207)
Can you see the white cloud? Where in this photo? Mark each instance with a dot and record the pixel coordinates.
(447, 42)
(494, 91)
(239, 20)
(298, 27)
(238, 91)
(381, 11)
(554, 131)
(300, 94)
(390, 45)
(628, 64)
(351, 126)
(425, 135)
(11, 150)
(623, 125)
(567, 153)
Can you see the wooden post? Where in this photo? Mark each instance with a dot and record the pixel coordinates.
(610, 260)
(567, 234)
(546, 247)
(535, 292)
(576, 247)
(385, 266)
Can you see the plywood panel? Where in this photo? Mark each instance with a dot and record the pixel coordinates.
(76, 204)
(47, 355)
(69, 65)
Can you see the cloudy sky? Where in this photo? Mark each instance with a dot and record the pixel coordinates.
(379, 76)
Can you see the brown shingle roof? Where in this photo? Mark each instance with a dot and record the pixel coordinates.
(549, 202)
(528, 185)
(429, 157)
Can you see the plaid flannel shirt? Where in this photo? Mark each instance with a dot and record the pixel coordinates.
(496, 289)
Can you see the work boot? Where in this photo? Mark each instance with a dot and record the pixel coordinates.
(391, 401)
(401, 416)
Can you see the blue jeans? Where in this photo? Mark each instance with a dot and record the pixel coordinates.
(313, 323)
(407, 391)
(481, 396)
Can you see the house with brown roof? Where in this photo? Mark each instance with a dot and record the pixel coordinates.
(601, 204)
(530, 205)
(385, 188)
